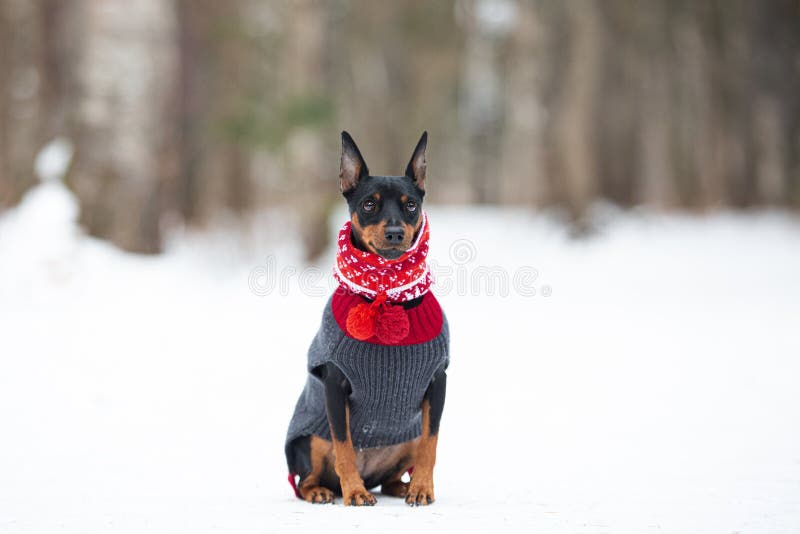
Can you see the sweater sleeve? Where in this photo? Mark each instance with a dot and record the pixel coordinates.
(325, 341)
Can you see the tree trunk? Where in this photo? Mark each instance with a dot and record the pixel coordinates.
(488, 25)
(574, 127)
(123, 123)
(23, 115)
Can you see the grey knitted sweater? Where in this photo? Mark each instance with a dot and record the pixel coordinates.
(388, 382)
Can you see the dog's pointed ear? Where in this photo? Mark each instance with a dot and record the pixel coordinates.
(416, 167)
(353, 167)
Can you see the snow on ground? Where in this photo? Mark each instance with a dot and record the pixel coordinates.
(649, 384)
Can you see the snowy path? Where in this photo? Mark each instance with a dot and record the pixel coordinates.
(655, 390)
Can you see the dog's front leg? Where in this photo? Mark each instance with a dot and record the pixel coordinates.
(337, 389)
(420, 491)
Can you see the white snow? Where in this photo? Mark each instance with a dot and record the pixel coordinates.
(53, 160)
(654, 390)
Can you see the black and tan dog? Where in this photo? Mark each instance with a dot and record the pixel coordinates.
(395, 408)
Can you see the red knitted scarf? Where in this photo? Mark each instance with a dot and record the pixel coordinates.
(385, 282)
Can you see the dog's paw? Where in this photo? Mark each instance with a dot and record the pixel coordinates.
(358, 496)
(318, 495)
(397, 488)
(420, 494)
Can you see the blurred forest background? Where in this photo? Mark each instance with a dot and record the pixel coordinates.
(182, 112)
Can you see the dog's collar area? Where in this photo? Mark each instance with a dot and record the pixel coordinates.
(425, 317)
(407, 305)
(370, 275)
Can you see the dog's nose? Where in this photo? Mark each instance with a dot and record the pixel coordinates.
(394, 234)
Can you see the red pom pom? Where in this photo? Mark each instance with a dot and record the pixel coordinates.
(361, 321)
(391, 324)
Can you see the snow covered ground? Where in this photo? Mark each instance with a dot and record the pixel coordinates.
(649, 385)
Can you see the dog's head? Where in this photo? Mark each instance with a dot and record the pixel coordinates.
(386, 211)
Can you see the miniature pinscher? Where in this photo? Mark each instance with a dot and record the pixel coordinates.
(372, 405)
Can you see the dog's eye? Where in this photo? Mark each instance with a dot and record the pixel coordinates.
(368, 206)
(411, 206)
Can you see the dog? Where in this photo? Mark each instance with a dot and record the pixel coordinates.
(373, 400)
